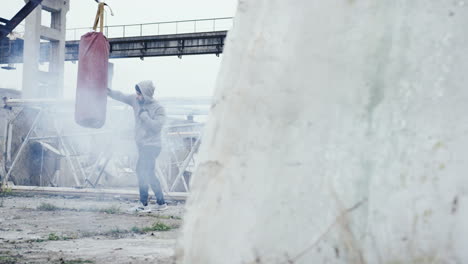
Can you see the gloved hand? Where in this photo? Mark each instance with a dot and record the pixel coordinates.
(142, 110)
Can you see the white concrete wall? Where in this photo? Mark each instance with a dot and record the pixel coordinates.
(339, 134)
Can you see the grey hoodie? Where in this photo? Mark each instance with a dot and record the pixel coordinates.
(149, 116)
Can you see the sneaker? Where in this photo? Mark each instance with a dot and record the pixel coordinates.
(161, 207)
(140, 209)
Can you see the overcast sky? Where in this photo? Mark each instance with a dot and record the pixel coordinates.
(189, 76)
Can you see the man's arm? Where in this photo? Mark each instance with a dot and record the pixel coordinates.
(156, 123)
(119, 96)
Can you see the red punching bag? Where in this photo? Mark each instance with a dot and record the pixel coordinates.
(91, 90)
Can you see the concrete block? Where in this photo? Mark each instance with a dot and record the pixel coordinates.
(338, 134)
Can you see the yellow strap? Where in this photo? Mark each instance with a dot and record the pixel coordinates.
(99, 18)
(101, 25)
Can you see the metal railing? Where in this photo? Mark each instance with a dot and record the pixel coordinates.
(158, 28)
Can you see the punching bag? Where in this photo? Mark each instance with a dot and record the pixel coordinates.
(91, 90)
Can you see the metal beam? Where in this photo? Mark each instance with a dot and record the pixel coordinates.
(174, 106)
(16, 20)
(132, 47)
(161, 45)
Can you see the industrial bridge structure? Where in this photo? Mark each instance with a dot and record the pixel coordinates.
(173, 38)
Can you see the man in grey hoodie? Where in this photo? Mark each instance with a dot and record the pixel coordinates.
(149, 120)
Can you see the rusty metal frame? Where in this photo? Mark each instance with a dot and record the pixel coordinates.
(9, 25)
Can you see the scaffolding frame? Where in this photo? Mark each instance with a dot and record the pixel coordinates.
(82, 177)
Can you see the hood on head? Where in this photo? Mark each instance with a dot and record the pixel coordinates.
(147, 89)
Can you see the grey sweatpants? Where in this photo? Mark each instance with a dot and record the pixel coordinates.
(145, 171)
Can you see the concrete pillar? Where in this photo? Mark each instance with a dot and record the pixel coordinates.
(338, 134)
(31, 53)
(39, 83)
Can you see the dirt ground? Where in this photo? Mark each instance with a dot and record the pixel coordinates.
(60, 229)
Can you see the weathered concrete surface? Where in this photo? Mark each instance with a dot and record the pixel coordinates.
(338, 135)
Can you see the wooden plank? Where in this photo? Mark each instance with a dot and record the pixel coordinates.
(25, 141)
(184, 165)
(67, 156)
(177, 196)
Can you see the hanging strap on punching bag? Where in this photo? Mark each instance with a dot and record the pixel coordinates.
(99, 18)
